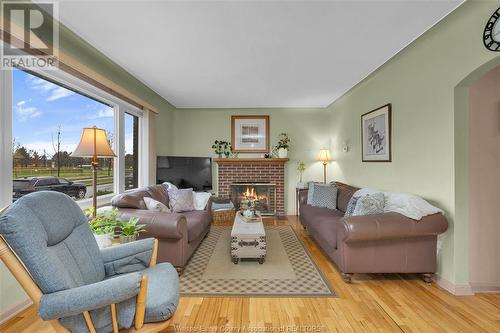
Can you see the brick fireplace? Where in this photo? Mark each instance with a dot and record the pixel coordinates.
(249, 171)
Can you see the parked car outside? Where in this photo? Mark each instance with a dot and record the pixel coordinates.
(23, 186)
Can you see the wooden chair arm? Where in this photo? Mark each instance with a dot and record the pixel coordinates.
(154, 256)
(140, 308)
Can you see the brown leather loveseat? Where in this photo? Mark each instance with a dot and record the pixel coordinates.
(381, 243)
(178, 234)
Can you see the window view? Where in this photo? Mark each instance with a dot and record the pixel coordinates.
(48, 120)
(131, 149)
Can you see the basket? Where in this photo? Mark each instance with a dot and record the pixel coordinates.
(223, 215)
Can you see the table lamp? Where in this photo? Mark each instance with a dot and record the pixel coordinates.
(94, 143)
(324, 156)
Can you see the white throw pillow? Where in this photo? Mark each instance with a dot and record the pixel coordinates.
(200, 200)
(169, 186)
(152, 204)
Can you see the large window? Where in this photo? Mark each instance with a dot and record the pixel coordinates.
(47, 122)
(131, 151)
(43, 115)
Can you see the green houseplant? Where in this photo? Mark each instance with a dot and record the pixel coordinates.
(283, 145)
(130, 230)
(301, 167)
(222, 147)
(103, 225)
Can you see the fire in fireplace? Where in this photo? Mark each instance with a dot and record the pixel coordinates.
(264, 195)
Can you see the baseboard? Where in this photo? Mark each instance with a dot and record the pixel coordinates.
(14, 310)
(485, 287)
(454, 289)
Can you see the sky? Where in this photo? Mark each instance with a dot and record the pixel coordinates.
(40, 107)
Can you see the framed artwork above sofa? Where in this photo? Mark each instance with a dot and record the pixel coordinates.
(376, 135)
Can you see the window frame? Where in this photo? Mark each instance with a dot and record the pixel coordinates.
(119, 106)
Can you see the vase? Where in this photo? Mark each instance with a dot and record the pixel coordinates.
(282, 153)
(127, 239)
(104, 240)
(220, 155)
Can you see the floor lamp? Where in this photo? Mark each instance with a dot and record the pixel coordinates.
(94, 143)
(324, 157)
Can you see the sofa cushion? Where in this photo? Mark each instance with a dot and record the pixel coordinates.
(322, 195)
(131, 199)
(321, 221)
(344, 194)
(370, 204)
(181, 200)
(198, 222)
(159, 193)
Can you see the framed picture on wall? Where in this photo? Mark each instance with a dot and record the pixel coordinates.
(250, 134)
(376, 135)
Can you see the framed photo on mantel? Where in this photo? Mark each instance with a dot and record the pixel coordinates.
(376, 135)
(250, 134)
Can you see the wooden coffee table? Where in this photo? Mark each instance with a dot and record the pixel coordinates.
(248, 240)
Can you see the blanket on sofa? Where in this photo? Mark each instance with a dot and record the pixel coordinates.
(406, 204)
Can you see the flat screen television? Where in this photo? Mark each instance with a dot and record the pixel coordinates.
(185, 172)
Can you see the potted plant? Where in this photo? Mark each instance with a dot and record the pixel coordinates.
(301, 167)
(129, 230)
(222, 148)
(283, 145)
(103, 226)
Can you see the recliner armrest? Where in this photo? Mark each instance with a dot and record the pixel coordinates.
(129, 257)
(158, 224)
(388, 226)
(93, 296)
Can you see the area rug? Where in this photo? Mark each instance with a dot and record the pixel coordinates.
(287, 271)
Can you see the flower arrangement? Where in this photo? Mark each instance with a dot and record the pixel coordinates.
(222, 147)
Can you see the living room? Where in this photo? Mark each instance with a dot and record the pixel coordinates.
(342, 174)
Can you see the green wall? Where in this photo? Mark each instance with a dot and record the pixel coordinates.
(194, 131)
(427, 136)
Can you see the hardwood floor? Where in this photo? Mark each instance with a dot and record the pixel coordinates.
(372, 303)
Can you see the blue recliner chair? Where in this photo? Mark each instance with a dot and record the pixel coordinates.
(74, 283)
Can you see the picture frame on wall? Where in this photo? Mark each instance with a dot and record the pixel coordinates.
(376, 137)
(250, 134)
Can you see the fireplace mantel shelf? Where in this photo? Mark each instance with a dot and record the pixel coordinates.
(250, 160)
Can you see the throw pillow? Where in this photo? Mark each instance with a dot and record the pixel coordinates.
(370, 204)
(323, 195)
(351, 205)
(200, 200)
(310, 192)
(169, 185)
(181, 200)
(152, 204)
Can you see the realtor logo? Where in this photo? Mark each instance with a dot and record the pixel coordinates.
(30, 34)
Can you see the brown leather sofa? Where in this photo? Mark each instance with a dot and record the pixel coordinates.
(381, 243)
(178, 234)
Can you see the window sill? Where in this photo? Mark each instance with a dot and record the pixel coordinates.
(102, 200)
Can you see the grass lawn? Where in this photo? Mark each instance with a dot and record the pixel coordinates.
(80, 175)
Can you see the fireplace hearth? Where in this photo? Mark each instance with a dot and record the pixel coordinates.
(264, 195)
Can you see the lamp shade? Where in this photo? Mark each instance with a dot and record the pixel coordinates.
(93, 142)
(324, 155)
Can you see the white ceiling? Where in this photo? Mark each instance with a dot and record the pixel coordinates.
(229, 54)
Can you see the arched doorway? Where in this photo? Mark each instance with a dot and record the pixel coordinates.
(477, 175)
